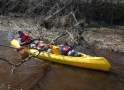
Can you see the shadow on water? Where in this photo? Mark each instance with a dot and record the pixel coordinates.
(45, 75)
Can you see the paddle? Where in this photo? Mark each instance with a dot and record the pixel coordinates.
(8, 46)
(17, 46)
(18, 49)
(15, 43)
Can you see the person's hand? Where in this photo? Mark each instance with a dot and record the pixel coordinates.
(21, 44)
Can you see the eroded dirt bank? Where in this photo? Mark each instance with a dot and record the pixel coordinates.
(105, 37)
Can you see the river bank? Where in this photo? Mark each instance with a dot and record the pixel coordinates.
(104, 37)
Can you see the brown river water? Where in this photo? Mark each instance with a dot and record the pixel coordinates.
(45, 75)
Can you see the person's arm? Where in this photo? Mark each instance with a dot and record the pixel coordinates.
(20, 41)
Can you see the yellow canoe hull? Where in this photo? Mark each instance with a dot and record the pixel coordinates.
(85, 61)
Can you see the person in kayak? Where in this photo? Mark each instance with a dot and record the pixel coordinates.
(24, 38)
(71, 51)
(67, 50)
(63, 49)
(40, 45)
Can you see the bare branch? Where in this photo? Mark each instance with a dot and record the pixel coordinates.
(22, 61)
(58, 10)
(2, 58)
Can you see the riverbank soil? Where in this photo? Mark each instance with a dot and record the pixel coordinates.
(108, 37)
(102, 35)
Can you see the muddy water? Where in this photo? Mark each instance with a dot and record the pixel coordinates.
(44, 75)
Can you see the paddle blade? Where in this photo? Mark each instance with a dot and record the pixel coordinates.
(15, 43)
(20, 49)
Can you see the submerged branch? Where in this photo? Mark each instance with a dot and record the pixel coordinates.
(15, 65)
(21, 62)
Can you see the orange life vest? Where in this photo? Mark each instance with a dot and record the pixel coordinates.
(55, 49)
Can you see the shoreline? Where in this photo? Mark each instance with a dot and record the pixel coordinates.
(101, 37)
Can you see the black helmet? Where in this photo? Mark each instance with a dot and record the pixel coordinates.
(20, 32)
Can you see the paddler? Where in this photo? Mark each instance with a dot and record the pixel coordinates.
(24, 38)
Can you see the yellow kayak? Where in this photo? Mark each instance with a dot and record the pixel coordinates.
(85, 61)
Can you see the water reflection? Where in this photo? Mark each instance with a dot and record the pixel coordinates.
(122, 58)
(64, 77)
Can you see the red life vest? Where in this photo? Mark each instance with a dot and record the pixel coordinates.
(24, 37)
(40, 44)
(65, 49)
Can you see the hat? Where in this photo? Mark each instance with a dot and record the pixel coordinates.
(20, 31)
